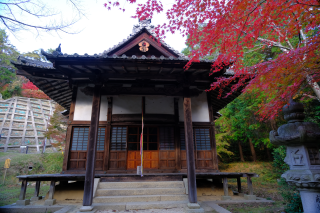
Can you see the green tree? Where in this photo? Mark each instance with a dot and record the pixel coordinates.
(241, 125)
(57, 128)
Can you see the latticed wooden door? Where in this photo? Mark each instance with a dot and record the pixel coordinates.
(150, 147)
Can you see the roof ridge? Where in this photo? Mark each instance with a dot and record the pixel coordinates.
(136, 31)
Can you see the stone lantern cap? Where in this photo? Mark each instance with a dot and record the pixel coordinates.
(296, 131)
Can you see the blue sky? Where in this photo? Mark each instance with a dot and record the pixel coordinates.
(99, 30)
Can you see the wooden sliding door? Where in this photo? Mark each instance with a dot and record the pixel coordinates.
(118, 148)
(167, 148)
(78, 151)
(202, 147)
(150, 148)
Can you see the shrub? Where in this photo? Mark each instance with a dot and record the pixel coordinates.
(291, 196)
(279, 155)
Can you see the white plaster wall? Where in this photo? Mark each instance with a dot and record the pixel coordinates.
(103, 108)
(199, 108)
(83, 107)
(159, 105)
(127, 104)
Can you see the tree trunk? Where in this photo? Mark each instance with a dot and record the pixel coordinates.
(253, 152)
(268, 154)
(314, 85)
(240, 151)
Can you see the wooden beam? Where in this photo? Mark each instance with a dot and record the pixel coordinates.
(108, 135)
(23, 190)
(173, 91)
(113, 69)
(239, 184)
(212, 135)
(177, 134)
(37, 189)
(100, 69)
(67, 149)
(225, 186)
(77, 69)
(73, 103)
(143, 105)
(161, 68)
(52, 189)
(124, 69)
(249, 183)
(191, 170)
(92, 147)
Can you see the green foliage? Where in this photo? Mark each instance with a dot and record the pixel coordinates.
(290, 196)
(289, 193)
(312, 110)
(240, 122)
(57, 127)
(222, 145)
(13, 89)
(7, 51)
(36, 55)
(279, 155)
(6, 76)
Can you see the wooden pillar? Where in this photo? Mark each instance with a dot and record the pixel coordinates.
(177, 134)
(108, 135)
(239, 184)
(250, 188)
(37, 189)
(191, 168)
(23, 190)
(212, 135)
(52, 189)
(225, 186)
(69, 129)
(92, 147)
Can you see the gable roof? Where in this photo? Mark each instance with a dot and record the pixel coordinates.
(143, 31)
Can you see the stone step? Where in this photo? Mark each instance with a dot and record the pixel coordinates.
(139, 198)
(140, 191)
(140, 205)
(158, 184)
(156, 205)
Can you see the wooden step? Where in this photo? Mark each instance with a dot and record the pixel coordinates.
(140, 191)
(151, 184)
(139, 198)
(137, 178)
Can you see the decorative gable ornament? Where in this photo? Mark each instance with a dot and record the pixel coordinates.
(144, 46)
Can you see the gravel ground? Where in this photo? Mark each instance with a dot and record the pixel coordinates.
(174, 210)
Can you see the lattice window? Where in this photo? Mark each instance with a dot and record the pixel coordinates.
(182, 140)
(80, 138)
(119, 138)
(101, 138)
(166, 138)
(202, 137)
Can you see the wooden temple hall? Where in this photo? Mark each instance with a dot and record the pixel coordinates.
(106, 95)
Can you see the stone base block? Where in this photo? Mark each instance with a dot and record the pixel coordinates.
(201, 210)
(193, 206)
(87, 209)
(49, 202)
(250, 197)
(226, 198)
(36, 198)
(22, 202)
(92, 211)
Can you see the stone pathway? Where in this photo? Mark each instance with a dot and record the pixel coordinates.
(174, 210)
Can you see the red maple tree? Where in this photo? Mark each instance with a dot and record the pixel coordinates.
(231, 27)
(29, 90)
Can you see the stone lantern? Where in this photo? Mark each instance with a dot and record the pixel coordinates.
(302, 140)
